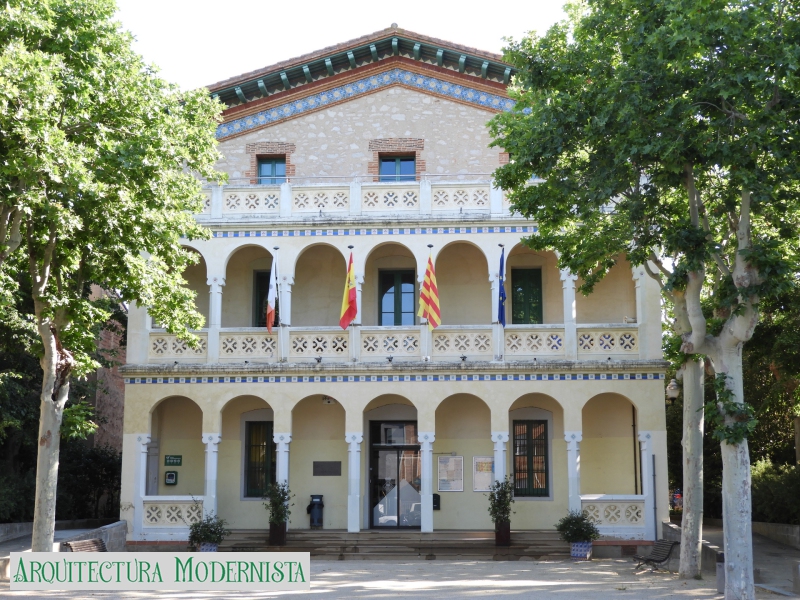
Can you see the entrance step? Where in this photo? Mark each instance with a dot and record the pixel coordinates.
(399, 545)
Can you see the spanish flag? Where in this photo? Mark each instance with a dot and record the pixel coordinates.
(429, 298)
(349, 302)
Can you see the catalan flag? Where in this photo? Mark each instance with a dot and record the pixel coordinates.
(349, 301)
(429, 298)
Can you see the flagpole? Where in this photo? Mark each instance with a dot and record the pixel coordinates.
(277, 280)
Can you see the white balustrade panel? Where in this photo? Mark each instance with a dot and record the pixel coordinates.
(206, 202)
(616, 515)
(251, 200)
(461, 341)
(312, 343)
(315, 199)
(384, 197)
(173, 511)
(457, 196)
(608, 341)
(254, 344)
(382, 342)
(523, 341)
(167, 347)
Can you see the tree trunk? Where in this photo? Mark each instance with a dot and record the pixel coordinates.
(692, 524)
(736, 494)
(57, 365)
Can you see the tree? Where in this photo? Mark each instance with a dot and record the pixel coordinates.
(99, 178)
(669, 132)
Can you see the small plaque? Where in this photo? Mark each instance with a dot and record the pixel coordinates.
(171, 478)
(327, 468)
(173, 460)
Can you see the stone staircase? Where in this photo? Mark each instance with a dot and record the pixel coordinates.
(398, 545)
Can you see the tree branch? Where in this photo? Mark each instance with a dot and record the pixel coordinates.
(692, 193)
(694, 342)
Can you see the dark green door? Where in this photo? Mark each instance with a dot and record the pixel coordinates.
(526, 296)
(396, 298)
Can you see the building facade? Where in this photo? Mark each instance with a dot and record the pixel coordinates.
(379, 148)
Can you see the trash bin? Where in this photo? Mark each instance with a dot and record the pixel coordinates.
(315, 510)
(720, 572)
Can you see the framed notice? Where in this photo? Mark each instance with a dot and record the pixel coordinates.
(451, 473)
(482, 473)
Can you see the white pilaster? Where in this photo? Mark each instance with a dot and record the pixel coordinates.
(216, 201)
(496, 200)
(426, 440)
(140, 485)
(354, 441)
(282, 441)
(211, 440)
(215, 283)
(500, 439)
(648, 314)
(285, 288)
(646, 449)
(285, 209)
(355, 198)
(138, 334)
(425, 202)
(573, 439)
(570, 316)
(359, 284)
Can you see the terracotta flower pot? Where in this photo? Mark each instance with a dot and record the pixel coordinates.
(502, 534)
(277, 534)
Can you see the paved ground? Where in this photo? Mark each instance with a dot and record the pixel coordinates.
(377, 580)
(23, 544)
(773, 558)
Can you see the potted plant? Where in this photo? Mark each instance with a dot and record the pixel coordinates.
(207, 534)
(277, 503)
(501, 497)
(579, 531)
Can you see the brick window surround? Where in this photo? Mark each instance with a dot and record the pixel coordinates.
(395, 147)
(505, 158)
(269, 150)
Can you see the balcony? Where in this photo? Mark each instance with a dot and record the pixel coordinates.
(355, 197)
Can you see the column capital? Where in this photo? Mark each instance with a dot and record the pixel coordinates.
(282, 438)
(645, 437)
(500, 437)
(573, 436)
(216, 280)
(568, 278)
(639, 273)
(143, 439)
(354, 438)
(286, 280)
(426, 438)
(212, 439)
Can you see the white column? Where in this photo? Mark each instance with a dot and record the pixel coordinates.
(285, 206)
(500, 439)
(570, 316)
(282, 441)
(425, 336)
(426, 440)
(138, 334)
(425, 201)
(648, 314)
(215, 283)
(285, 290)
(355, 198)
(359, 284)
(211, 440)
(140, 484)
(216, 201)
(354, 481)
(573, 439)
(646, 448)
(496, 200)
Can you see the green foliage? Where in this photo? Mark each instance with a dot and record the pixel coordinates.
(77, 421)
(278, 497)
(210, 529)
(501, 497)
(577, 527)
(776, 489)
(731, 421)
(88, 481)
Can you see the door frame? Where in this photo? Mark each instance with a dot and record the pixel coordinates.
(374, 448)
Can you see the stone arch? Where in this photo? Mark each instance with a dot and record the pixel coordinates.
(176, 429)
(522, 257)
(465, 293)
(385, 256)
(610, 447)
(240, 307)
(319, 275)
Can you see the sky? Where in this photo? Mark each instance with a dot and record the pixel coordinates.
(197, 43)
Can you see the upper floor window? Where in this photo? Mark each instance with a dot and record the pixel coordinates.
(398, 168)
(530, 458)
(526, 296)
(272, 171)
(396, 296)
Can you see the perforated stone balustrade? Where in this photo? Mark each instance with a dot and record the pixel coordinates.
(378, 343)
(164, 347)
(251, 200)
(171, 512)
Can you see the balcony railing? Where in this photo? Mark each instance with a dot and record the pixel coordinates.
(355, 196)
(449, 343)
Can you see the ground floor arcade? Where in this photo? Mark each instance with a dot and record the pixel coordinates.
(390, 449)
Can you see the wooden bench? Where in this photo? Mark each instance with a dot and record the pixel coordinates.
(94, 545)
(659, 554)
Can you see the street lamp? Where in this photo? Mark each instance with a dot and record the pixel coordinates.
(673, 390)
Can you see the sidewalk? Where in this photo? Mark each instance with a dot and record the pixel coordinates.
(773, 558)
(605, 579)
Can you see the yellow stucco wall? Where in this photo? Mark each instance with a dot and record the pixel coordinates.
(522, 257)
(179, 429)
(336, 140)
(237, 295)
(613, 298)
(319, 283)
(462, 276)
(318, 435)
(608, 448)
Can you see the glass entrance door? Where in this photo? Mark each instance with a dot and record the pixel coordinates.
(394, 475)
